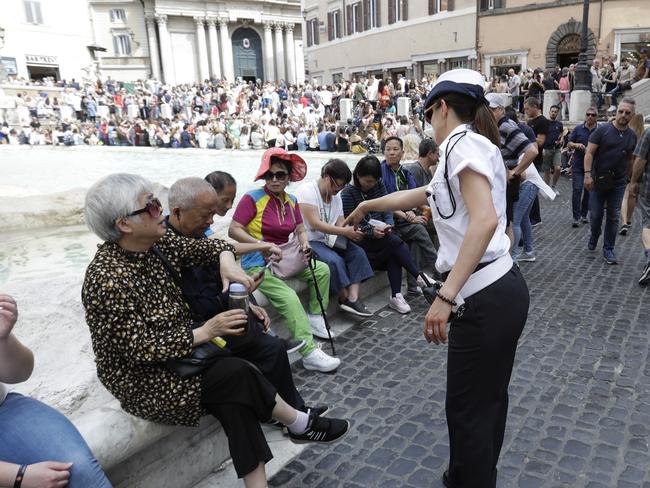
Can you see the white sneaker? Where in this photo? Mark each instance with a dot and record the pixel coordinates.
(318, 326)
(398, 303)
(557, 193)
(317, 360)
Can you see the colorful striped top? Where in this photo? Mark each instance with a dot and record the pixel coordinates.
(268, 219)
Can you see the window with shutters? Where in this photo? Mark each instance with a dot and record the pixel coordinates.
(370, 14)
(33, 11)
(334, 22)
(122, 44)
(354, 18)
(491, 4)
(397, 11)
(118, 15)
(312, 32)
(437, 6)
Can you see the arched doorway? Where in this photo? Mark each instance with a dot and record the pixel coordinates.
(568, 50)
(564, 44)
(247, 54)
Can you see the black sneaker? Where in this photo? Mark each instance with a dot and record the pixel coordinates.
(624, 229)
(584, 220)
(322, 430)
(645, 277)
(320, 410)
(357, 308)
(575, 224)
(445, 479)
(292, 345)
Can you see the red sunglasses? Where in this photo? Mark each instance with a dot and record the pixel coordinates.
(153, 208)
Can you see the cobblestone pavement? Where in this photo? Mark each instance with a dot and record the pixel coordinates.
(579, 397)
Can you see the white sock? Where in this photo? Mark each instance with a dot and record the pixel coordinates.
(299, 426)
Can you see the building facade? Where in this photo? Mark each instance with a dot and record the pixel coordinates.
(182, 41)
(388, 38)
(520, 34)
(44, 39)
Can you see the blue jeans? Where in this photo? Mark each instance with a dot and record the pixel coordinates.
(597, 200)
(31, 432)
(580, 197)
(346, 267)
(521, 216)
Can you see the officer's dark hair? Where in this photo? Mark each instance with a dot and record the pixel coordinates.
(555, 106)
(337, 170)
(427, 146)
(367, 166)
(220, 180)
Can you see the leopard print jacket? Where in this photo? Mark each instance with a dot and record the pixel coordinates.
(138, 319)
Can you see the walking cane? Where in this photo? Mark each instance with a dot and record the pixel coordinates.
(319, 297)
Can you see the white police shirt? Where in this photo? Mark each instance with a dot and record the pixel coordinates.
(466, 149)
(3, 393)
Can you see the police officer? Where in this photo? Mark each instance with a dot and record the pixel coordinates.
(468, 202)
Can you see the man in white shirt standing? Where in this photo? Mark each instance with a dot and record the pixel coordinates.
(514, 84)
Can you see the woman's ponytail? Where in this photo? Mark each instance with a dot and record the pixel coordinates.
(476, 113)
(485, 124)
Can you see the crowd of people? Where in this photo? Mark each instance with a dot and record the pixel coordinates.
(216, 114)
(462, 211)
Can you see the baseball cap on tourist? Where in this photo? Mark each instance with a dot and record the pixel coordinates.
(495, 100)
(461, 81)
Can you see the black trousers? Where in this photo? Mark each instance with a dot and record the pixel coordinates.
(482, 345)
(269, 354)
(239, 396)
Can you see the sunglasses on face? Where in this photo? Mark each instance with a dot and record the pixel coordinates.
(591, 115)
(153, 208)
(278, 175)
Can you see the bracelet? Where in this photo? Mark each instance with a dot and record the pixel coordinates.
(587, 172)
(445, 299)
(20, 476)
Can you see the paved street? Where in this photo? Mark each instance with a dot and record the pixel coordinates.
(579, 397)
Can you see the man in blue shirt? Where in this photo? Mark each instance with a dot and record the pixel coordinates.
(608, 156)
(410, 226)
(302, 140)
(552, 159)
(578, 140)
(322, 138)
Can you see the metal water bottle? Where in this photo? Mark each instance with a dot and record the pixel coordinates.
(238, 299)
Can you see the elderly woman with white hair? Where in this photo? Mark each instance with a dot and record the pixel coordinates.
(140, 323)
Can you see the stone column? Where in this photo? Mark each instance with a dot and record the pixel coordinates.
(279, 53)
(291, 54)
(215, 64)
(204, 68)
(153, 46)
(226, 51)
(166, 50)
(269, 68)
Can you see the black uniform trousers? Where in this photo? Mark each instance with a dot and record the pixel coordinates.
(482, 345)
